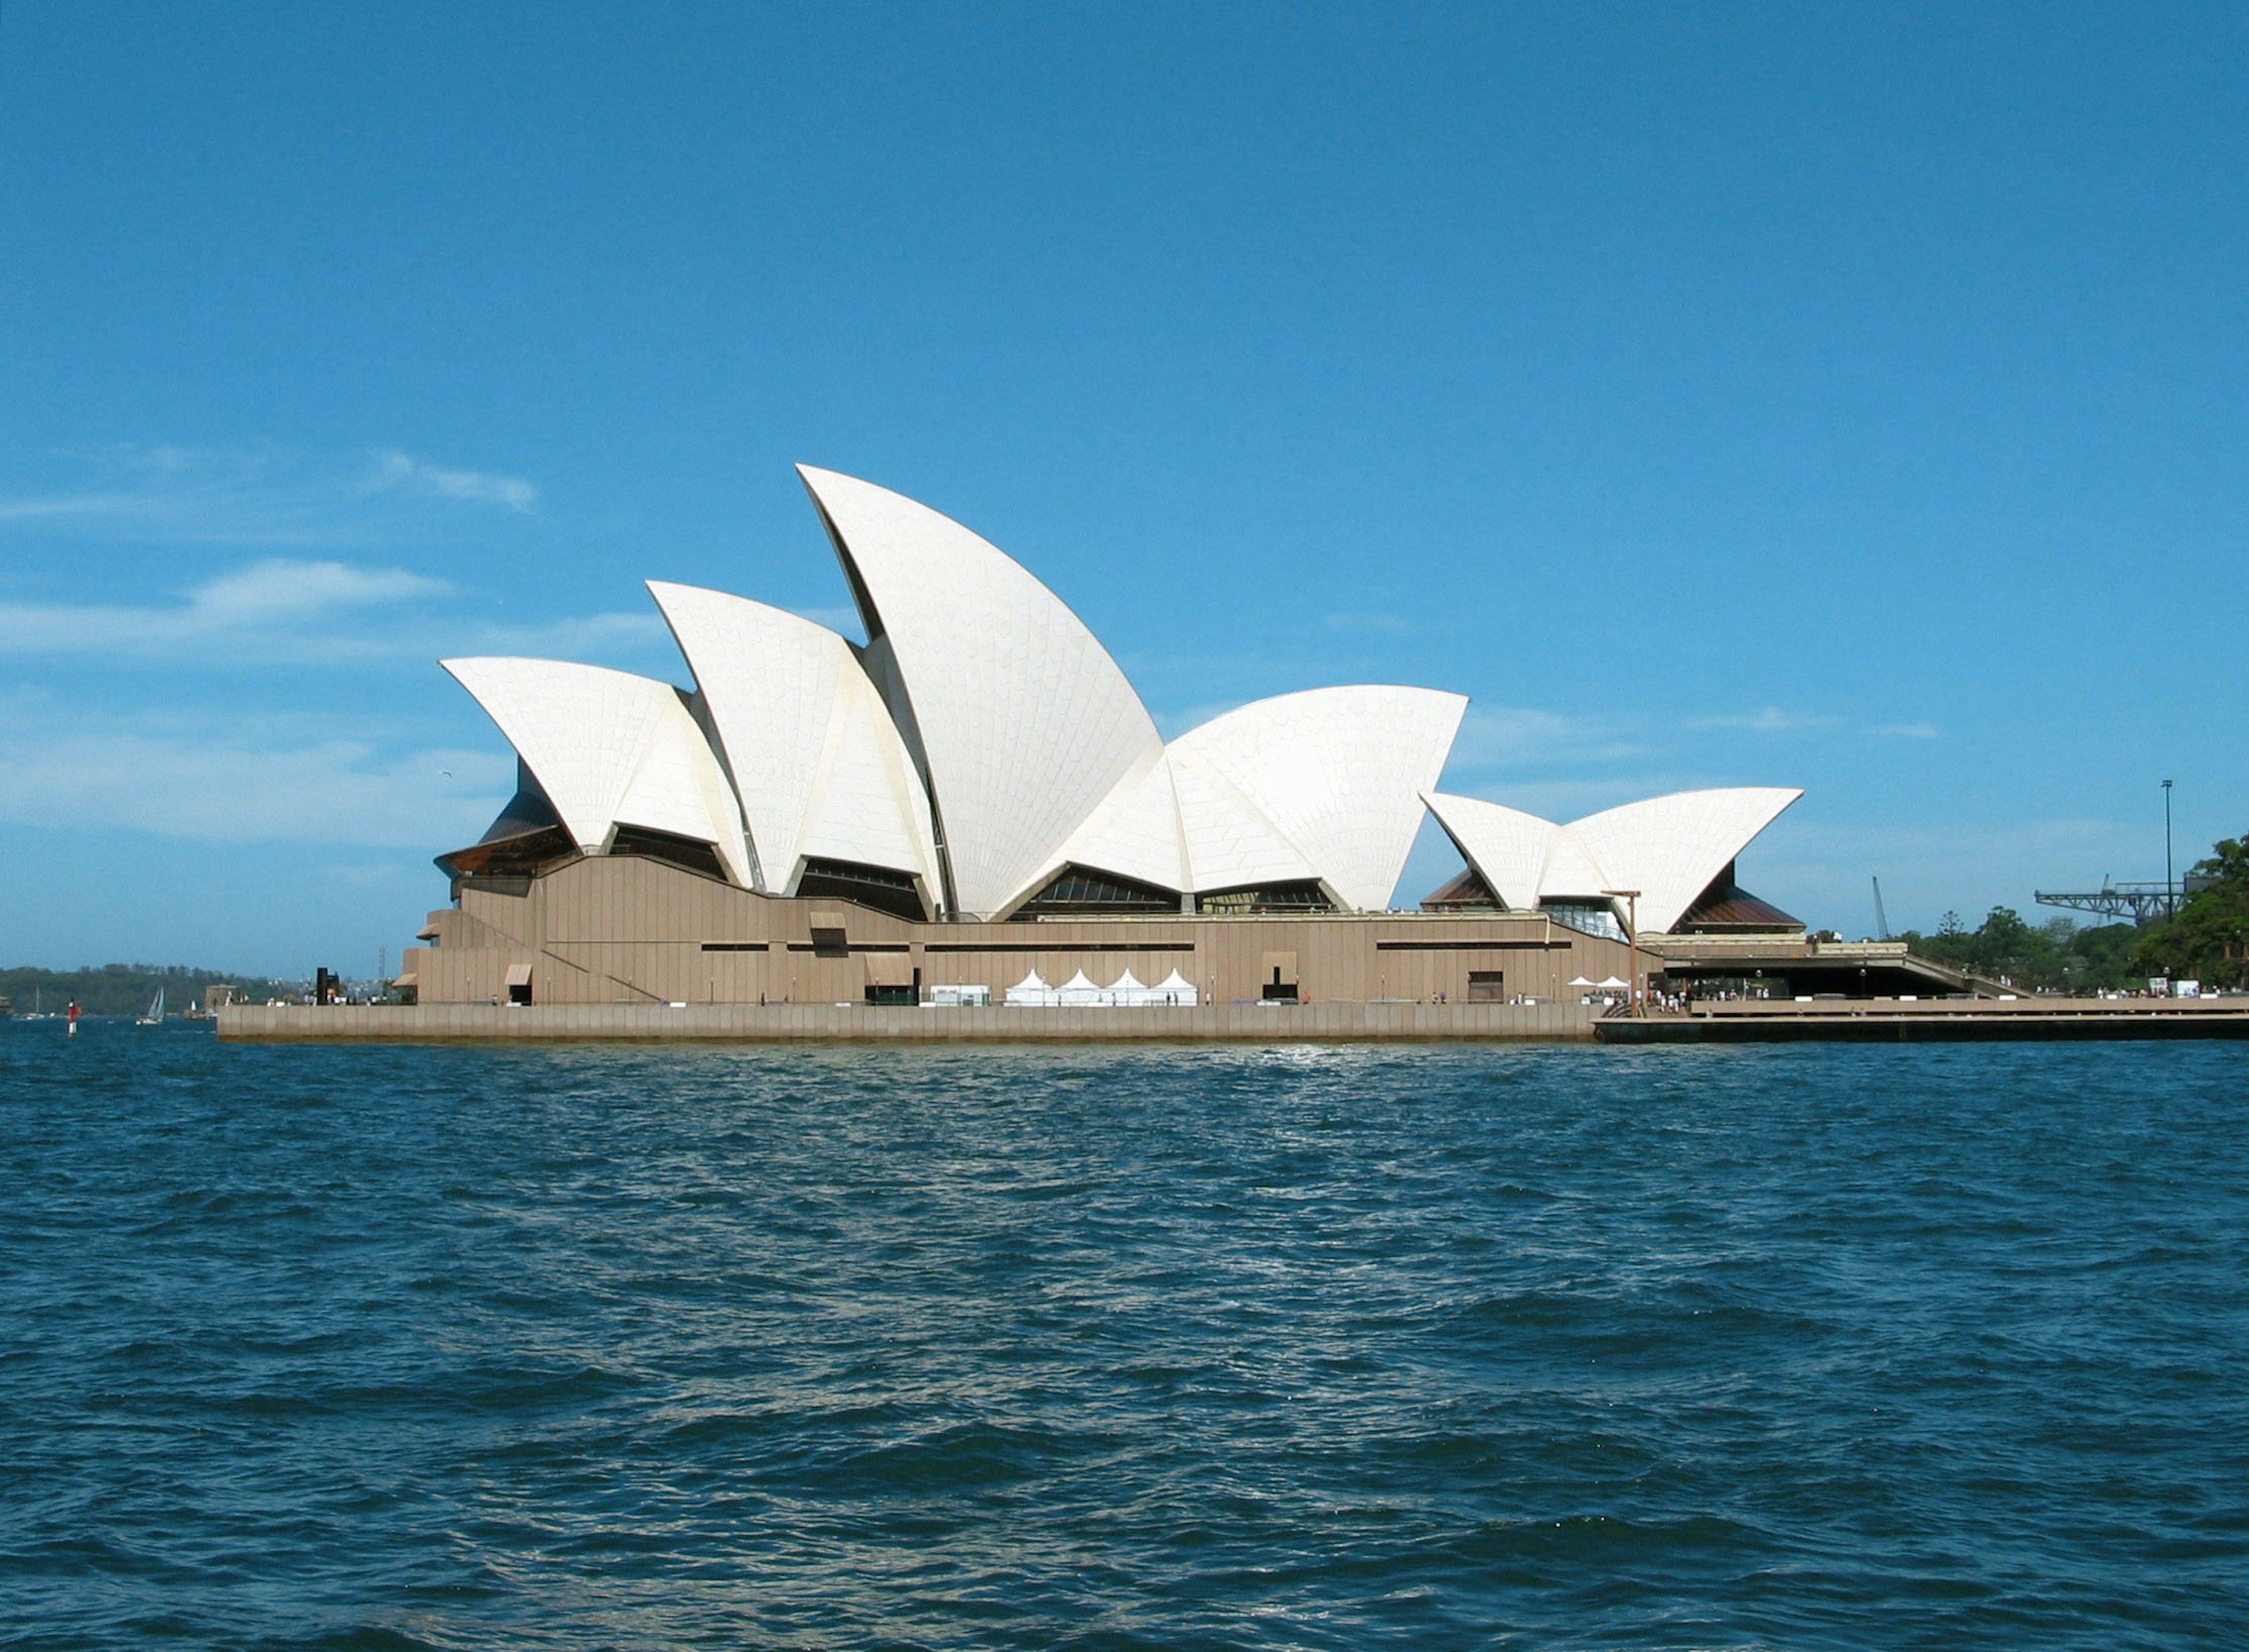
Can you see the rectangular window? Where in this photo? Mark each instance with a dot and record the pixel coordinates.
(1487, 987)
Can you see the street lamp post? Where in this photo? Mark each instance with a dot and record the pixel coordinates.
(1631, 898)
(2170, 889)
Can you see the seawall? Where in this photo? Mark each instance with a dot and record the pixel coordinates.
(1335, 1021)
(1951, 1020)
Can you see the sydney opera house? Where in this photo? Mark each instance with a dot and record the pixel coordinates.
(974, 807)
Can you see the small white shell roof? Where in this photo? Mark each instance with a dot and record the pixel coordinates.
(610, 748)
(1670, 849)
(1510, 846)
(816, 758)
(1339, 774)
(1026, 723)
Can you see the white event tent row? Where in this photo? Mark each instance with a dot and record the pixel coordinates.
(1126, 992)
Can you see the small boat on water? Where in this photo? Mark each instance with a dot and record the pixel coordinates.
(156, 1016)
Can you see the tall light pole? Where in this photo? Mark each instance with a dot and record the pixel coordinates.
(1631, 898)
(2170, 889)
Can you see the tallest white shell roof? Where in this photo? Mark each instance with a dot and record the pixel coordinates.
(1026, 724)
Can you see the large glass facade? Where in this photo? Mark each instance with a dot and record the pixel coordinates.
(1305, 896)
(881, 887)
(1587, 918)
(1081, 891)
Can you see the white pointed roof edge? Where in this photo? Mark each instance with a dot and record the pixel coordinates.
(1671, 847)
(1025, 723)
(1506, 847)
(817, 763)
(610, 748)
(1340, 773)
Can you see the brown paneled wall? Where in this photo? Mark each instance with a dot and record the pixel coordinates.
(622, 929)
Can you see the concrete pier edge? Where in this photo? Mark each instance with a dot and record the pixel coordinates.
(1340, 1020)
(1337, 1022)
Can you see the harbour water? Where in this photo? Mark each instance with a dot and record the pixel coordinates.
(1794, 1347)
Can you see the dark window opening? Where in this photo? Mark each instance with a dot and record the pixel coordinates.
(1277, 991)
(688, 854)
(1487, 987)
(1304, 897)
(881, 888)
(1081, 891)
(894, 992)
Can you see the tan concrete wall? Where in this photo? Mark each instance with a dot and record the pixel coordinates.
(1334, 1021)
(628, 930)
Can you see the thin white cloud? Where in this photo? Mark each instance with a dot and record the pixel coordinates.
(1370, 623)
(163, 494)
(1769, 720)
(393, 470)
(59, 771)
(284, 612)
(1510, 736)
(273, 593)
(1903, 730)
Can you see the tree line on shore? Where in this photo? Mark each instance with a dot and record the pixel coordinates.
(125, 989)
(2206, 939)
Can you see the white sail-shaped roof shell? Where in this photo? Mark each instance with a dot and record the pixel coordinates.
(818, 764)
(610, 749)
(1669, 849)
(1026, 724)
(1134, 833)
(1339, 774)
(1510, 847)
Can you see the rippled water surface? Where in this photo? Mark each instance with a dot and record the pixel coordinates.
(1935, 1346)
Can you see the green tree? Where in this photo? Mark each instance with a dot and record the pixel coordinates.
(2054, 955)
(2207, 938)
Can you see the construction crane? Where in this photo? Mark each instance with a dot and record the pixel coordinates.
(1882, 917)
(2141, 903)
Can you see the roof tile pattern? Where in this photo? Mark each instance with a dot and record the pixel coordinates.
(1028, 725)
(1339, 772)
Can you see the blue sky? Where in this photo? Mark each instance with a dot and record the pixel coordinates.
(1842, 397)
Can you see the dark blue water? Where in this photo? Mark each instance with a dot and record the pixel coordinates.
(1942, 1346)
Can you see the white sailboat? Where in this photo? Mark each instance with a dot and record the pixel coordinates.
(156, 1016)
